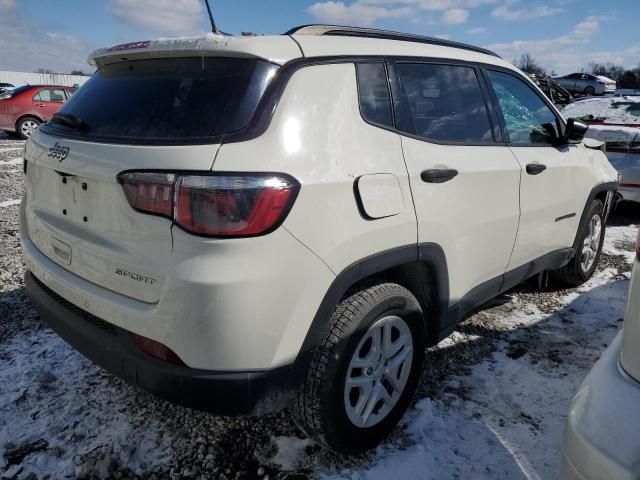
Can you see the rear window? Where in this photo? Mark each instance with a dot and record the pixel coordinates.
(168, 100)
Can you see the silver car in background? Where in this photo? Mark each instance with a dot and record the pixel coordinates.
(601, 438)
(582, 83)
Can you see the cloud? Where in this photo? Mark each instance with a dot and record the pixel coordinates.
(477, 30)
(434, 5)
(358, 13)
(506, 12)
(7, 4)
(34, 47)
(455, 16)
(163, 17)
(566, 53)
(368, 12)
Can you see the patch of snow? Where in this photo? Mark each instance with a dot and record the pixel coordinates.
(612, 133)
(509, 423)
(10, 149)
(87, 411)
(291, 452)
(13, 161)
(9, 203)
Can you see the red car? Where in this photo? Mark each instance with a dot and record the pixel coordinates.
(24, 108)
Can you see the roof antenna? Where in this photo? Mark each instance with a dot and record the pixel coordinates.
(214, 29)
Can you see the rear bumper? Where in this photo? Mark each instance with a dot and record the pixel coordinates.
(112, 348)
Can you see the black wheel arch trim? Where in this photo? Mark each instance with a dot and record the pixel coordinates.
(605, 187)
(429, 254)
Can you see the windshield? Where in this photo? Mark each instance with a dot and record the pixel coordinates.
(168, 100)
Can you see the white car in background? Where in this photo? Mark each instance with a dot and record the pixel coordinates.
(609, 84)
(602, 439)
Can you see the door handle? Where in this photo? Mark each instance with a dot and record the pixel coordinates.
(535, 168)
(438, 175)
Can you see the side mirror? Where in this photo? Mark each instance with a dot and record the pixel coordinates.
(576, 131)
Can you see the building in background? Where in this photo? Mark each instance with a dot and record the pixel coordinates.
(27, 78)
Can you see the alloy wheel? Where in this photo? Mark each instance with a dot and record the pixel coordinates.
(378, 371)
(591, 243)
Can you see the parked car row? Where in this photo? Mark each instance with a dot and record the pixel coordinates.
(22, 109)
(166, 233)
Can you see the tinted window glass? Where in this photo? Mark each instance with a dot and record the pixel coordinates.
(50, 96)
(169, 99)
(528, 118)
(445, 103)
(373, 91)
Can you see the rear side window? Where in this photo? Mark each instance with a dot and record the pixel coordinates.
(373, 92)
(169, 100)
(50, 96)
(444, 102)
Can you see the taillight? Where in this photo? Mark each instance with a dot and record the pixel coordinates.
(229, 205)
(157, 350)
(149, 192)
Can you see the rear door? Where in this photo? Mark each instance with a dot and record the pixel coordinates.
(48, 101)
(463, 180)
(556, 180)
(158, 115)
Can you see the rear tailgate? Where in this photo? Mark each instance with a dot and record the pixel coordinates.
(78, 216)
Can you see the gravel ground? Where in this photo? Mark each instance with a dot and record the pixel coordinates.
(62, 417)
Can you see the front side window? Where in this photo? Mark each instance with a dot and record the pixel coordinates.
(527, 117)
(373, 93)
(444, 103)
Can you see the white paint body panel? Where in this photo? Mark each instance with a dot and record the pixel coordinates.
(474, 216)
(560, 190)
(630, 355)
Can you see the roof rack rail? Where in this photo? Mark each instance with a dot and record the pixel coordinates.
(383, 34)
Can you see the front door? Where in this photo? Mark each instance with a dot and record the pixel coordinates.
(556, 180)
(464, 184)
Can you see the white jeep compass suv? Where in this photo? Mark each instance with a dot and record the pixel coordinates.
(245, 224)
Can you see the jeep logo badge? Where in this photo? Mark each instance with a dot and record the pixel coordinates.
(59, 152)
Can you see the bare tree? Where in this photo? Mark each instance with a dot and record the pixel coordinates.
(528, 64)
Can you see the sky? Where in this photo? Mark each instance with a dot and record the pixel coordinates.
(562, 35)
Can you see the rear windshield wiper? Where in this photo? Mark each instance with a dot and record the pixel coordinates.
(69, 120)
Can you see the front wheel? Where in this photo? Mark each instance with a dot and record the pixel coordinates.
(365, 372)
(587, 255)
(589, 91)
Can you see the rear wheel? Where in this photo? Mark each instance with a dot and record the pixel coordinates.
(589, 91)
(26, 126)
(586, 257)
(364, 374)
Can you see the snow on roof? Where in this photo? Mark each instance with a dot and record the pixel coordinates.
(277, 49)
(609, 109)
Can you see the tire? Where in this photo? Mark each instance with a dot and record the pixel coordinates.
(589, 91)
(26, 126)
(590, 240)
(321, 407)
